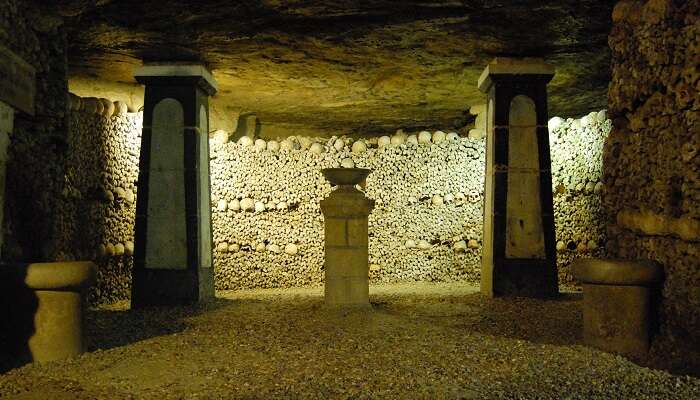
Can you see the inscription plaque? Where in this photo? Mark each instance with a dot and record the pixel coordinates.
(17, 81)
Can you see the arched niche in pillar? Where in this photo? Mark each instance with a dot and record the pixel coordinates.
(524, 231)
(166, 232)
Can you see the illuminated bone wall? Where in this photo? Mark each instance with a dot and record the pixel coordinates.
(577, 151)
(267, 224)
(427, 209)
(99, 197)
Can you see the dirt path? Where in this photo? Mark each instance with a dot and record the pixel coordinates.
(420, 340)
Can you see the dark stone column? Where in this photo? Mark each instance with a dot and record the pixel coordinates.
(519, 253)
(17, 93)
(173, 243)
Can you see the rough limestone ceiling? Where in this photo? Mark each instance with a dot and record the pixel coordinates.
(349, 66)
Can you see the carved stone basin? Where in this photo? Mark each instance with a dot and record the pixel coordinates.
(345, 176)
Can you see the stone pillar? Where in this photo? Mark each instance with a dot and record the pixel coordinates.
(7, 115)
(345, 213)
(173, 241)
(17, 93)
(519, 253)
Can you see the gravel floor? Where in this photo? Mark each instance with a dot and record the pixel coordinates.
(432, 341)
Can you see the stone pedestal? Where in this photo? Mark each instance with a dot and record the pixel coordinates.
(45, 322)
(173, 241)
(345, 213)
(618, 304)
(519, 253)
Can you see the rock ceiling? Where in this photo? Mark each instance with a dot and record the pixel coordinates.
(347, 66)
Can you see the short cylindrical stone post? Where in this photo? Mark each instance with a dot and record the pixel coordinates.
(46, 320)
(618, 309)
(346, 233)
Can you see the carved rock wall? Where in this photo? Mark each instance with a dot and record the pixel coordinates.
(652, 165)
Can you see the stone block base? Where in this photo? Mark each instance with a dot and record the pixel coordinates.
(163, 287)
(617, 319)
(347, 291)
(618, 304)
(58, 325)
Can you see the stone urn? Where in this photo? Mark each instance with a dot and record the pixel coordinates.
(45, 314)
(345, 212)
(346, 178)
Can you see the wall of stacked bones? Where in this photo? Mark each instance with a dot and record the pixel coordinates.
(652, 158)
(37, 147)
(267, 223)
(99, 195)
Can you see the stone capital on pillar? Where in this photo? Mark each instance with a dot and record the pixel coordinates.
(173, 74)
(519, 253)
(513, 69)
(173, 243)
(347, 204)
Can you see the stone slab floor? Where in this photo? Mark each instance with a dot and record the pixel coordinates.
(419, 341)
